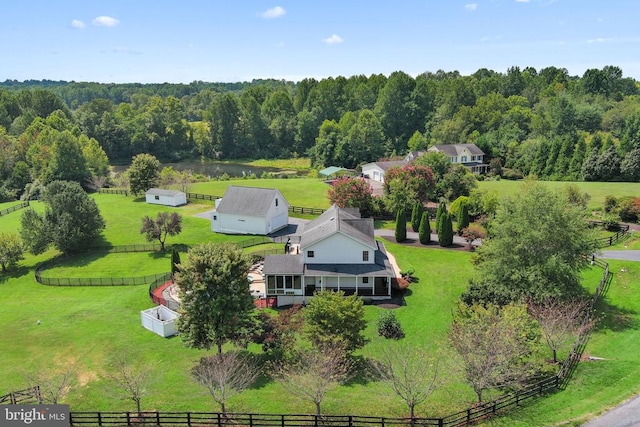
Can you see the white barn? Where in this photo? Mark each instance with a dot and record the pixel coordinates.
(250, 210)
(159, 196)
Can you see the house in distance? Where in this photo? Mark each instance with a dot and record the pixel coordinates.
(250, 210)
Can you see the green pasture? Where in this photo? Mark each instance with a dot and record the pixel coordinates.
(597, 190)
(85, 327)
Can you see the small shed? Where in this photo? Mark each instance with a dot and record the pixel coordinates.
(160, 320)
(159, 196)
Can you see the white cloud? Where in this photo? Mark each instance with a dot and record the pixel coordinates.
(522, 1)
(105, 21)
(76, 23)
(334, 39)
(471, 6)
(600, 40)
(274, 12)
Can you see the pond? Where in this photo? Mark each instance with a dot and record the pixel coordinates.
(215, 169)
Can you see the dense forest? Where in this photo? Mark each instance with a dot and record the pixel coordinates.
(541, 122)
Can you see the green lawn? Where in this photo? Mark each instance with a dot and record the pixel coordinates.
(86, 326)
(307, 192)
(597, 190)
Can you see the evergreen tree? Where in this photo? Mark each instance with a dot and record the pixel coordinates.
(463, 217)
(442, 209)
(424, 234)
(445, 237)
(401, 226)
(416, 216)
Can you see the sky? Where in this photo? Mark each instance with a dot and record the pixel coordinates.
(157, 41)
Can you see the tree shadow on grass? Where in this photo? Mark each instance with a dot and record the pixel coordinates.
(75, 260)
(159, 254)
(610, 317)
(13, 272)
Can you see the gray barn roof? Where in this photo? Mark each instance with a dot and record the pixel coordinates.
(251, 201)
(163, 192)
(335, 220)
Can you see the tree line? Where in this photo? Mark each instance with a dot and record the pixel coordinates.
(529, 122)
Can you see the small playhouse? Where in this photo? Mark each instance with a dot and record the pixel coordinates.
(160, 320)
(159, 196)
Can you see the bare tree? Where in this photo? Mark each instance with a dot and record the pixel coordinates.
(496, 345)
(315, 372)
(411, 372)
(560, 321)
(131, 380)
(225, 375)
(54, 385)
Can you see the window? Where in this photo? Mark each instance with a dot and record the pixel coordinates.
(463, 159)
(276, 201)
(310, 254)
(365, 280)
(473, 158)
(454, 160)
(215, 217)
(156, 197)
(365, 255)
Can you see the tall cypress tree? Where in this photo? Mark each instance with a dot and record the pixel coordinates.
(424, 234)
(416, 216)
(445, 237)
(442, 209)
(401, 225)
(463, 217)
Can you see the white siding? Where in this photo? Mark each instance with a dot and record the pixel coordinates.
(237, 224)
(338, 249)
(374, 171)
(177, 200)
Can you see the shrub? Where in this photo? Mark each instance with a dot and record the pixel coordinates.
(389, 326)
(610, 203)
(629, 209)
(463, 218)
(416, 216)
(445, 238)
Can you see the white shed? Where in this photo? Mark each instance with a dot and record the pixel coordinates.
(250, 210)
(160, 320)
(161, 196)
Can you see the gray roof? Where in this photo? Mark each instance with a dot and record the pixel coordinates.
(283, 264)
(293, 264)
(339, 220)
(453, 150)
(251, 201)
(163, 192)
(388, 164)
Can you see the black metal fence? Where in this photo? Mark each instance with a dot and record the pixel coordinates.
(14, 208)
(100, 281)
(198, 196)
(114, 191)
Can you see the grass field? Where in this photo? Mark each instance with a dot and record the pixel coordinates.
(86, 326)
(597, 190)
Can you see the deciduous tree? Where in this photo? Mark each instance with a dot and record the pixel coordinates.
(352, 193)
(216, 302)
(165, 224)
(11, 250)
(496, 345)
(315, 372)
(225, 375)
(539, 243)
(333, 319)
(143, 173)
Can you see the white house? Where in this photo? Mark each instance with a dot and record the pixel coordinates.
(160, 196)
(250, 210)
(376, 170)
(468, 155)
(338, 251)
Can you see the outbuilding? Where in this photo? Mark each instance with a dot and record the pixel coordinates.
(250, 210)
(159, 196)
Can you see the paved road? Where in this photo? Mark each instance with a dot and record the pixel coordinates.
(625, 415)
(622, 255)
